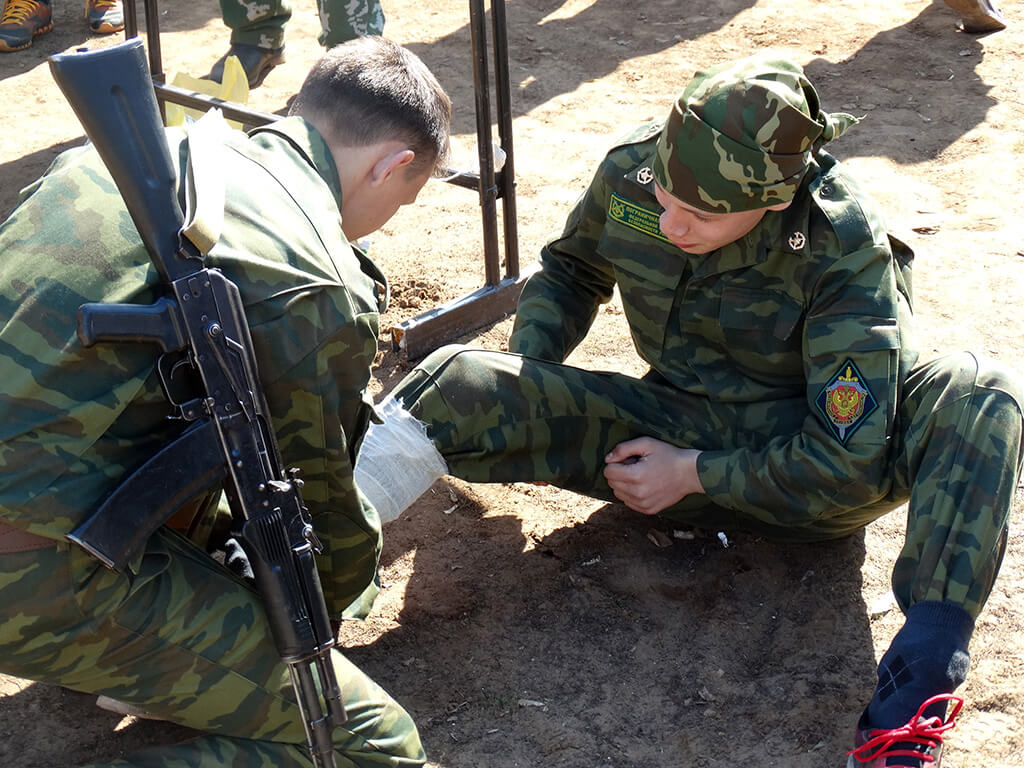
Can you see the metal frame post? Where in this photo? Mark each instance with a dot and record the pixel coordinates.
(423, 333)
(499, 295)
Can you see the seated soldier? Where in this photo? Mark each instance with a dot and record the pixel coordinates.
(178, 636)
(785, 396)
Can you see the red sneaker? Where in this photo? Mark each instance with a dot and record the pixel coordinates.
(918, 744)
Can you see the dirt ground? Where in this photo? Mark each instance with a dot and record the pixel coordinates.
(527, 626)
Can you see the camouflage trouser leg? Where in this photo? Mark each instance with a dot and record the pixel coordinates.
(185, 641)
(342, 20)
(959, 461)
(503, 418)
(499, 417)
(260, 22)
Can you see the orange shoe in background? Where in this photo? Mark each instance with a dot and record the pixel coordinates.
(21, 21)
(104, 16)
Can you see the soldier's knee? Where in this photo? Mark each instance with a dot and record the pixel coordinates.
(457, 366)
(443, 357)
(996, 398)
(995, 377)
(452, 362)
(971, 374)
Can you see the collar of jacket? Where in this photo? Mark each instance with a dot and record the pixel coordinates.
(311, 145)
(790, 228)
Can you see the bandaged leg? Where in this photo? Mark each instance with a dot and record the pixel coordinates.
(397, 461)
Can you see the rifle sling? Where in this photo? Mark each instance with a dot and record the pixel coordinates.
(204, 181)
(18, 540)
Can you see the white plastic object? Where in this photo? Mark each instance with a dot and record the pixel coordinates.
(397, 462)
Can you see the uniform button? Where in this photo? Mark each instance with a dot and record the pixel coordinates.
(826, 190)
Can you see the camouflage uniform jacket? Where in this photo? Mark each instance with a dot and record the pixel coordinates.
(772, 330)
(74, 421)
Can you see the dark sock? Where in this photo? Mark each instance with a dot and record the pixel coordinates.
(927, 657)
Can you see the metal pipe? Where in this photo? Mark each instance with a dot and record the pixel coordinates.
(156, 66)
(131, 20)
(506, 183)
(498, 296)
(485, 151)
(202, 102)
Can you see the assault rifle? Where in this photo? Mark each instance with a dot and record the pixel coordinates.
(200, 327)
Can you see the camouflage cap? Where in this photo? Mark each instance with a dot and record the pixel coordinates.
(740, 136)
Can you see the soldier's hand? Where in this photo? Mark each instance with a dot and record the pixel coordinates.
(649, 475)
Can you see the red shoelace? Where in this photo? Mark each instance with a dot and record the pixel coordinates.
(891, 742)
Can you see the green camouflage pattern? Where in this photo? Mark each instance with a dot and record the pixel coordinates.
(177, 634)
(745, 345)
(262, 23)
(76, 420)
(185, 641)
(741, 135)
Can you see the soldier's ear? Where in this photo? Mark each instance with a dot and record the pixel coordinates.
(388, 163)
(780, 206)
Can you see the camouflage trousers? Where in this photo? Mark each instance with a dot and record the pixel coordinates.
(263, 23)
(184, 640)
(499, 417)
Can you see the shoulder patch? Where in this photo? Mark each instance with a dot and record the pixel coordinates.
(845, 401)
(635, 216)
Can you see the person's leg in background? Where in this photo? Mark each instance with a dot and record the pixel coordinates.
(257, 37)
(22, 21)
(343, 20)
(978, 16)
(104, 16)
(257, 31)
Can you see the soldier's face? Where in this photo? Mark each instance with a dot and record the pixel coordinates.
(370, 206)
(697, 232)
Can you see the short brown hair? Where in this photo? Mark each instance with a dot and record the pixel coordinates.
(371, 89)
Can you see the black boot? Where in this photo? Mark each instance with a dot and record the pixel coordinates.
(257, 62)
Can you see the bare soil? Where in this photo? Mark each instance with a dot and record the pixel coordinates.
(528, 626)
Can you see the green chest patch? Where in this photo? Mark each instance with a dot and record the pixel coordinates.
(635, 216)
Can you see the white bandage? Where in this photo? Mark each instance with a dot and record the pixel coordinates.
(397, 461)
